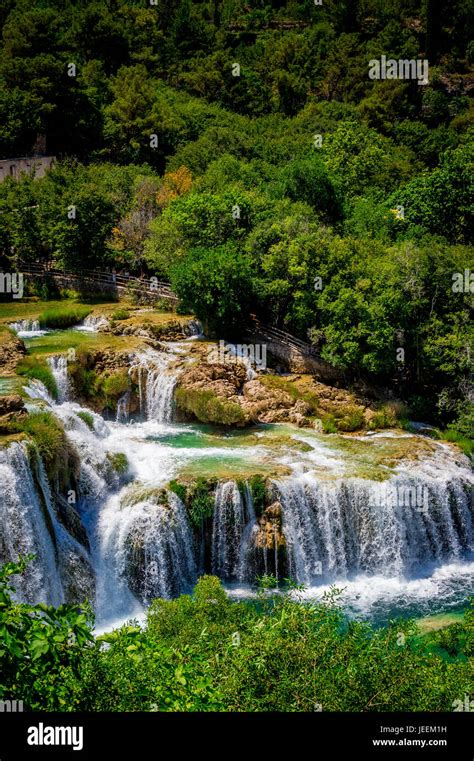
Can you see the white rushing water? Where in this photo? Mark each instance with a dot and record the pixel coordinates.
(29, 525)
(59, 369)
(93, 324)
(27, 328)
(406, 540)
(156, 384)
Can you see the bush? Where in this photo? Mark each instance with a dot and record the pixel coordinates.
(352, 419)
(329, 424)
(118, 461)
(208, 408)
(116, 384)
(120, 314)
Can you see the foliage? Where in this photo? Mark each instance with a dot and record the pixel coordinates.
(63, 316)
(208, 408)
(51, 443)
(205, 652)
(35, 367)
(87, 418)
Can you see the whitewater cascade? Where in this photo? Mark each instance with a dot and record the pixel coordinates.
(29, 524)
(93, 324)
(58, 367)
(317, 525)
(234, 522)
(156, 384)
(145, 547)
(27, 328)
(335, 529)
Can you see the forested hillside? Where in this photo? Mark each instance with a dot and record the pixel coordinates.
(240, 150)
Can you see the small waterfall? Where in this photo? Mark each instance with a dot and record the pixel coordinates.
(58, 367)
(122, 408)
(146, 547)
(27, 527)
(193, 329)
(156, 384)
(29, 524)
(233, 524)
(93, 324)
(335, 529)
(27, 328)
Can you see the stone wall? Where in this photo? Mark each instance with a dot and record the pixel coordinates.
(26, 165)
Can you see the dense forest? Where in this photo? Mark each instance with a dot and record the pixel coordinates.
(240, 150)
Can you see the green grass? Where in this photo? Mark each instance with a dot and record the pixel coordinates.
(208, 408)
(455, 437)
(52, 445)
(35, 367)
(120, 314)
(64, 316)
(87, 418)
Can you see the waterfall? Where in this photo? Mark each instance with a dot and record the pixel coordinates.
(233, 523)
(29, 524)
(93, 324)
(27, 328)
(122, 408)
(26, 528)
(145, 547)
(156, 384)
(335, 529)
(58, 367)
(193, 329)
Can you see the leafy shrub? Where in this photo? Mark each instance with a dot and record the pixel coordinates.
(329, 424)
(352, 419)
(116, 384)
(258, 489)
(178, 489)
(52, 444)
(201, 502)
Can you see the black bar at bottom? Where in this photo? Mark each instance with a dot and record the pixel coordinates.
(135, 735)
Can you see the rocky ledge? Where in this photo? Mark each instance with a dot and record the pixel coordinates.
(227, 393)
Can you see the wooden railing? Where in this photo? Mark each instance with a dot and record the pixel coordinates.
(111, 280)
(282, 337)
(107, 280)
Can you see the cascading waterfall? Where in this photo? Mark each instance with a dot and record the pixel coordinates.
(321, 526)
(193, 329)
(233, 522)
(122, 408)
(27, 528)
(156, 384)
(93, 324)
(146, 547)
(335, 529)
(58, 367)
(27, 328)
